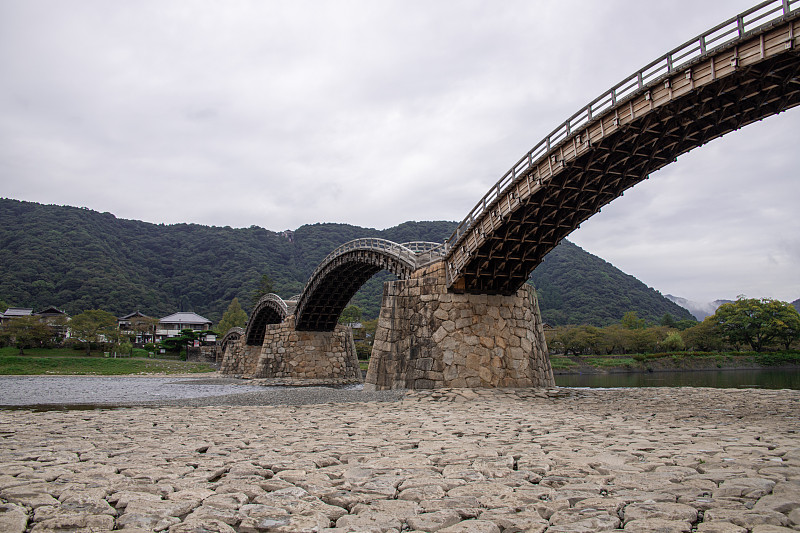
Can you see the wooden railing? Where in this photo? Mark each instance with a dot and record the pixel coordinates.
(757, 18)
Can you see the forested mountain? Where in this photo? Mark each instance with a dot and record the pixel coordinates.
(576, 287)
(78, 259)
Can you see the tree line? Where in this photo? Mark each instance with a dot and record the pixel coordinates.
(78, 259)
(757, 324)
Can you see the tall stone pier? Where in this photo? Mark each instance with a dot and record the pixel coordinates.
(295, 357)
(428, 337)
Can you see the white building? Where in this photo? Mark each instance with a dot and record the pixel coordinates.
(171, 326)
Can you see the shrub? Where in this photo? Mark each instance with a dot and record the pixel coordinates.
(673, 342)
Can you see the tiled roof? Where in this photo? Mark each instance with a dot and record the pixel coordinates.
(18, 311)
(184, 318)
(134, 314)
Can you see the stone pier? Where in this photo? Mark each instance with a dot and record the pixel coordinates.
(295, 357)
(428, 338)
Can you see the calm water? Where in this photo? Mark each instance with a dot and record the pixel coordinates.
(724, 379)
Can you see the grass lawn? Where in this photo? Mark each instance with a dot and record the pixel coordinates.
(64, 361)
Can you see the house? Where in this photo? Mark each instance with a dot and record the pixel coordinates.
(171, 326)
(139, 326)
(13, 312)
(52, 316)
(56, 319)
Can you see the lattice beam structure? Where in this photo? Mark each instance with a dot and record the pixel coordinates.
(342, 273)
(495, 251)
(270, 309)
(233, 335)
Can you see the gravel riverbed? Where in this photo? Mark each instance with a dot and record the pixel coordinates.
(457, 460)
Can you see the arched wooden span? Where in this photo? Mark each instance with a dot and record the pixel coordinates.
(270, 309)
(233, 335)
(737, 73)
(346, 269)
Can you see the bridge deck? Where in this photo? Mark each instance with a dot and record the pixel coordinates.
(617, 141)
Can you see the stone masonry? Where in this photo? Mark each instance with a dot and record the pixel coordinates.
(306, 356)
(428, 337)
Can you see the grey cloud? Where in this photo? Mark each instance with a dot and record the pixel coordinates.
(373, 113)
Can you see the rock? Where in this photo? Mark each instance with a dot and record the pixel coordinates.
(201, 526)
(426, 492)
(778, 503)
(772, 529)
(369, 521)
(578, 520)
(747, 519)
(472, 526)
(229, 500)
(232, 517)
(666, 511)
(513, 520)
(13, 518)
(78, 522)
(32, 496)
(719, 527)
(434, 521)
(744, 487)
(123, 498)
(146, 522)
(657, 525)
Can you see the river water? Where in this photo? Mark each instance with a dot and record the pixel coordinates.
(111, 390)
(91, 392)
(723, 379)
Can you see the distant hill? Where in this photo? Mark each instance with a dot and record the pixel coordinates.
(78, 259)
(796, 304)
(576, 287)
(699, 310)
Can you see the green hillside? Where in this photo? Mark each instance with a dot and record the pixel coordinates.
(77, 259)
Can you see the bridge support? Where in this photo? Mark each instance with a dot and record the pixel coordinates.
(428, 337)
(296, 357)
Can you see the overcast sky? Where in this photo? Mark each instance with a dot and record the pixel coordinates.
(279, 114)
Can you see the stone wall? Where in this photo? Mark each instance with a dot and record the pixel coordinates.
(202, 354)
(307, 356)
(428, 337)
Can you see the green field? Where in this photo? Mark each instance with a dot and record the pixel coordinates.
(60, 361)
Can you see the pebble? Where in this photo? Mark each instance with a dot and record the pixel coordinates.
(446, 460)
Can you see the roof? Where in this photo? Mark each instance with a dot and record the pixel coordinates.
(51, 311)
(17, 311)
(184, 318)
(135, 314)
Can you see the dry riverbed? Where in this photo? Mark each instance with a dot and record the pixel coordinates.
(564, 460)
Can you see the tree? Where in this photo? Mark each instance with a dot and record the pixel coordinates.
(94, 326)
(264, 288)
(26, 331)
(757, 322)
(234, 317)
(703, 336)
(673, 342)
(144, 327)
(788, 325)
(350, 315)
(631, 320)
(669, 321)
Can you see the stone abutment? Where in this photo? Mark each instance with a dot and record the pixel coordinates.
(428, 337)
(296, 357)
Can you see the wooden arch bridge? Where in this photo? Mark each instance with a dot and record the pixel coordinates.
(734, 74)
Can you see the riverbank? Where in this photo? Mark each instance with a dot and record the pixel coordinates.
(448, 460)
(599, 364)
